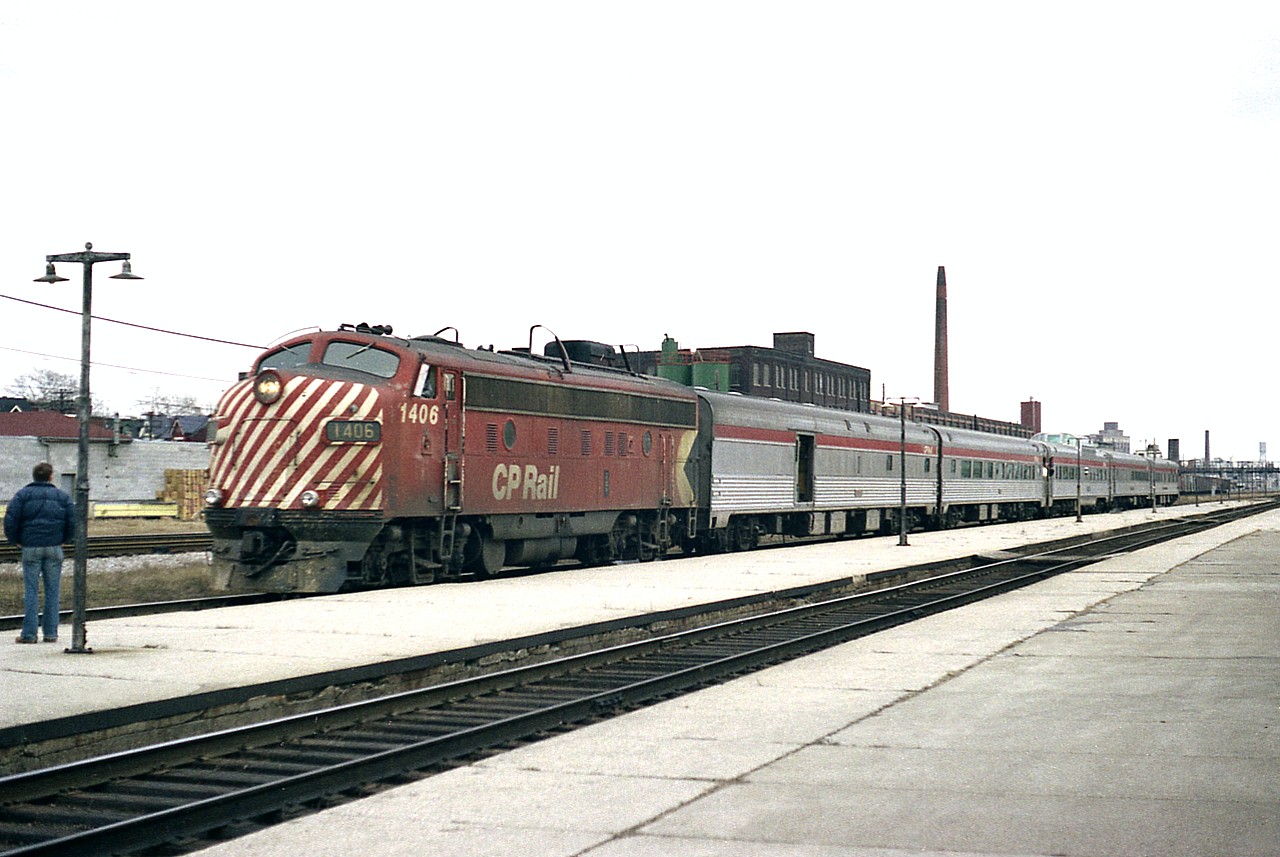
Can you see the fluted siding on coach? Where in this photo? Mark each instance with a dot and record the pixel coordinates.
(872, 492)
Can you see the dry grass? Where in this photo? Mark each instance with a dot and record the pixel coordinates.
(142, 526)
(147, 581)
(124, 580)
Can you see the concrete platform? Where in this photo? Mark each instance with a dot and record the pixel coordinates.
(154, 658)
(1129, 708)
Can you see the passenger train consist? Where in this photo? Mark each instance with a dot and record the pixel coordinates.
(352, 458)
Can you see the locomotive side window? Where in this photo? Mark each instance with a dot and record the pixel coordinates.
(426, 385)
(361, 358)
(289, 357)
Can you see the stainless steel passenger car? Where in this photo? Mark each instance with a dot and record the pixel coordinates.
(772, 467)
(1109, 480)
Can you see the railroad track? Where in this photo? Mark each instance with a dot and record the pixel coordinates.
(227, 783)
(128, 545)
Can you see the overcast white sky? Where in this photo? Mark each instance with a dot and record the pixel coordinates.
(1099, 179)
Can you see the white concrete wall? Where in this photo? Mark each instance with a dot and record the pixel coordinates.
(128, 472)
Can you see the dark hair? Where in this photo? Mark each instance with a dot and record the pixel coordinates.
(42, 472)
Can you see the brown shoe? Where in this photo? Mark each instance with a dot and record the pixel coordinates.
(50, 639)
(25, 640)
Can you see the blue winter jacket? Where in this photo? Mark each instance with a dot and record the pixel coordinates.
(40, 515)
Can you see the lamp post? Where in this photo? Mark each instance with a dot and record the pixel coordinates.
(902, 469)
(87, 258)
(1151, 474)
(1079, 519)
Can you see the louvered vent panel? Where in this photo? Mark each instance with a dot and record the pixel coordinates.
(491, 437)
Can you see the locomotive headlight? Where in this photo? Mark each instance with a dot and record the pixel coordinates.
(213, 497)
(267, 388)
(309, 498)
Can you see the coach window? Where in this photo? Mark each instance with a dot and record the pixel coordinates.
(426, 385)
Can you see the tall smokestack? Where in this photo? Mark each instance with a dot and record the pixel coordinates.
(941, 393)
(1206, 447)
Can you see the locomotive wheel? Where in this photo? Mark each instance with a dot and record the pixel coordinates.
(493, 555)
(594, 550)
(743, 536)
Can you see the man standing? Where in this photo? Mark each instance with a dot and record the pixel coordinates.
(40, 519)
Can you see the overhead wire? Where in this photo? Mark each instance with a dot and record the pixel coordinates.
(132, 324)
(111, 365)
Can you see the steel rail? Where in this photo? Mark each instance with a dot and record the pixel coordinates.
(100, 546)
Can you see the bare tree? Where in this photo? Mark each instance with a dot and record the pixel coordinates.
(174, 406)
(49, 390)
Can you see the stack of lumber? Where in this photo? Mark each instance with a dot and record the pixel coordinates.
(186, 489)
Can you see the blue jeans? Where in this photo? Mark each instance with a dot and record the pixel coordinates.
(41, 565)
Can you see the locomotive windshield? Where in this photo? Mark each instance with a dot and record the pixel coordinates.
(361, 358)
(289, 357)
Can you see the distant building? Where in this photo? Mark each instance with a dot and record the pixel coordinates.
(1031, 419)
(926, 414)
(789, 371)
(191, 428)
(50, 425)
(10, 405)
(1111, 437)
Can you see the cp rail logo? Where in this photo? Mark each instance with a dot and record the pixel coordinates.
(525, 482)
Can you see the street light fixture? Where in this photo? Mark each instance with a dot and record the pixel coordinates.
(80, 581)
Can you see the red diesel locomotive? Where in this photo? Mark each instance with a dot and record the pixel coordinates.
(355, 458)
